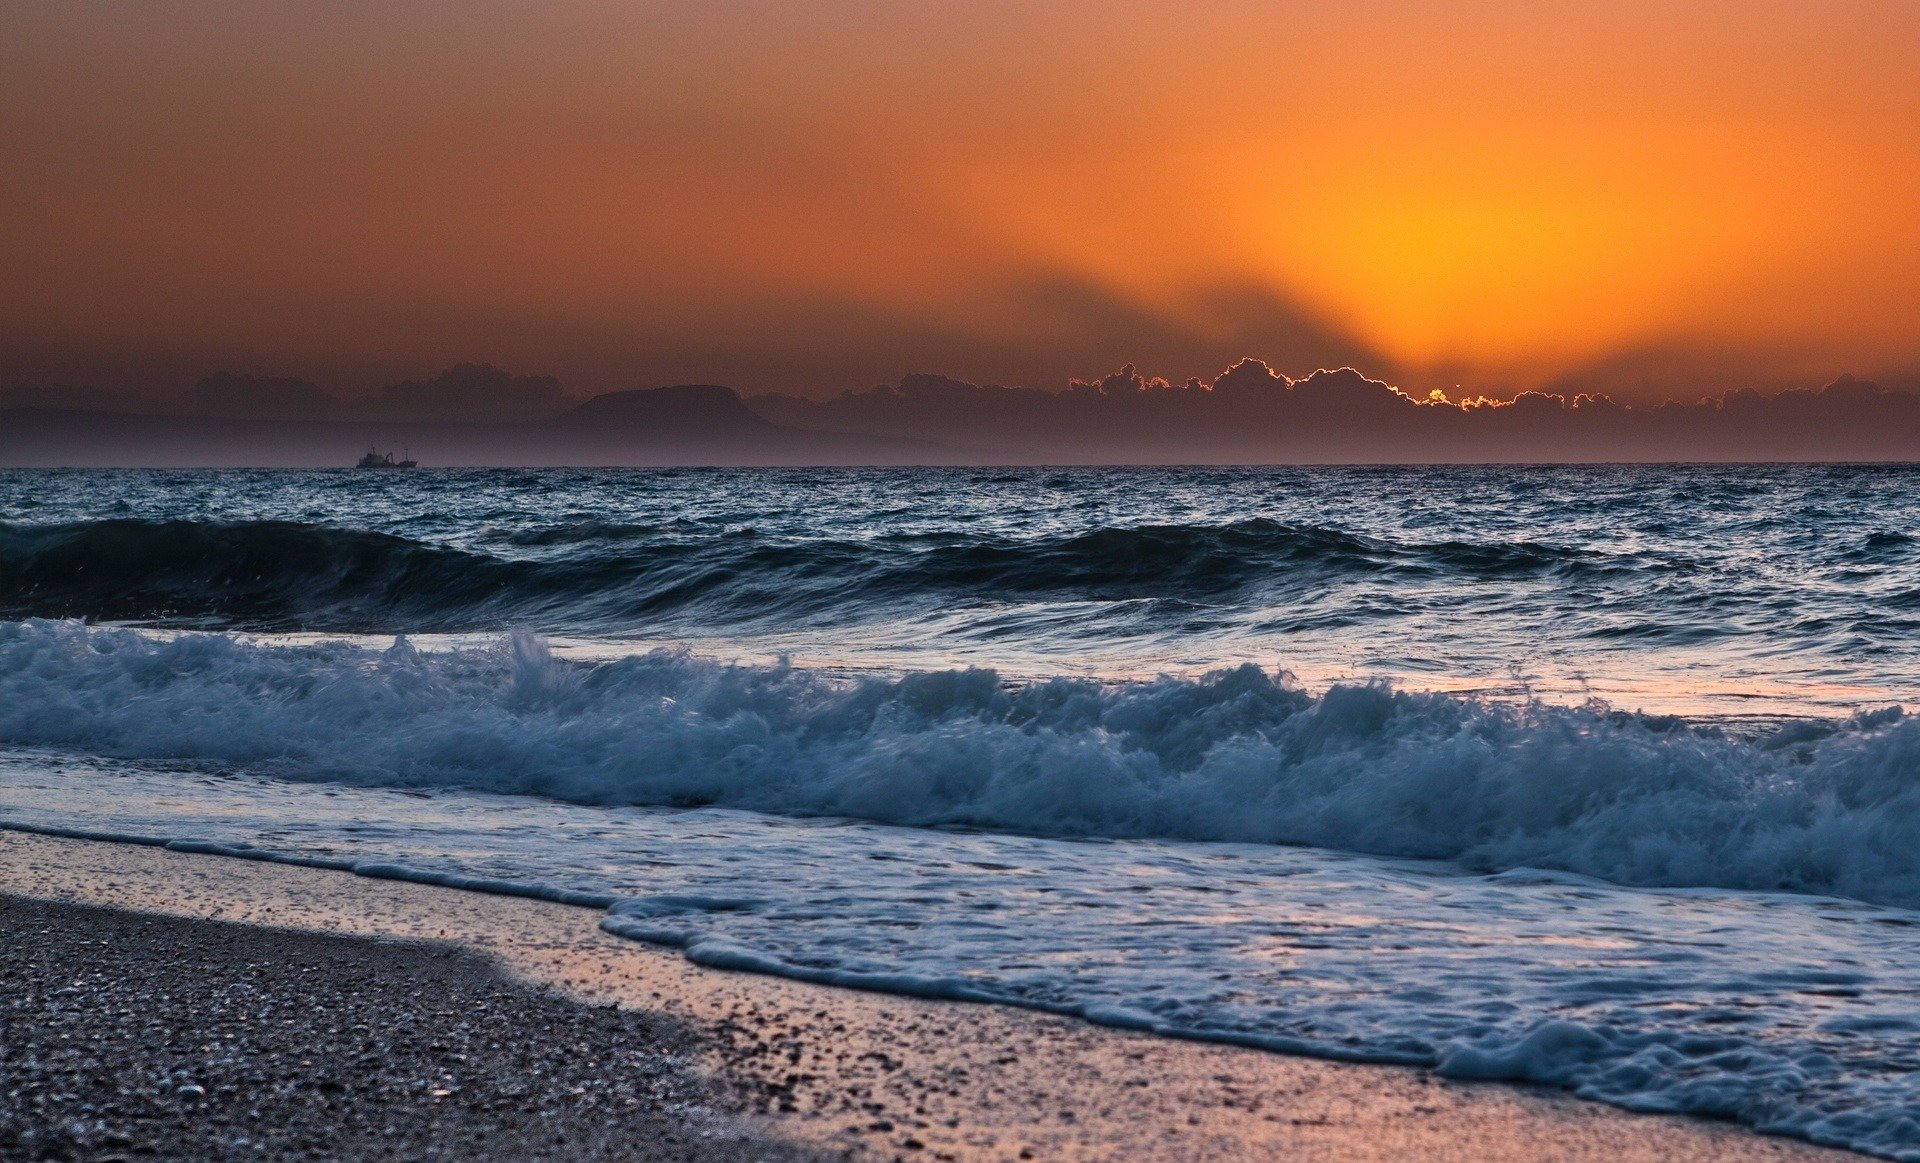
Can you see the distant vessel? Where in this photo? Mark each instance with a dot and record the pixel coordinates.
(385, 459)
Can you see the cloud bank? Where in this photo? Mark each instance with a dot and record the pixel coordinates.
(1253, 414)
(1248, 414)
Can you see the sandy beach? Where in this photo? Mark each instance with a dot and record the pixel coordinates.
(131, 1034)
(174, 1004)
(1182, 580)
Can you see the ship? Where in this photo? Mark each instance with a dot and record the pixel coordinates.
(375, 459)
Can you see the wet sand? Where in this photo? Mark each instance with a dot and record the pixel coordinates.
(626, 1051)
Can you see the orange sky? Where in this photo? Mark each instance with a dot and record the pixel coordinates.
(1645, 197)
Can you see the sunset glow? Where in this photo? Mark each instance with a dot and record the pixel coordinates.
(1654, 199)
(1146, 579)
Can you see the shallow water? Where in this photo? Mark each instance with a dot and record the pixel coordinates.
(1793, 1014)
(1370, 806)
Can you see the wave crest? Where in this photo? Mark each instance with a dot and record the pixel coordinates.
(1236, 755)
(591, 574)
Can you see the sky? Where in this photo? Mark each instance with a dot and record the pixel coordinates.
(1651, 198)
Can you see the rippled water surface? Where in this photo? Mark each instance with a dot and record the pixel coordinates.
(1595, 777)
(1720, 590)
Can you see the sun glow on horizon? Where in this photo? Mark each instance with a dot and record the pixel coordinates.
(809, 198)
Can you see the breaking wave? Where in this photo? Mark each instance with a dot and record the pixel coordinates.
(1829, 807)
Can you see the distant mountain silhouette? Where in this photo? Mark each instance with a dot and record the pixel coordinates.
(1250, 414)
(262, 397)
(695, 424)
(468, 391)
(701, 410)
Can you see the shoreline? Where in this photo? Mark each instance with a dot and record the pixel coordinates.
(809, 1069)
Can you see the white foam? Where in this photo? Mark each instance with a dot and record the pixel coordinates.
(1239, 755)
(1789, 1013)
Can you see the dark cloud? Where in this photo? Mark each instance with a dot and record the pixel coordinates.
(83, 397)
(275, 397)
(470, 391)
(1659, 372)
(1040, 331)
(1252, 413)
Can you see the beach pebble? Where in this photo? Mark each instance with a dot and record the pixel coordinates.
(283, 1045)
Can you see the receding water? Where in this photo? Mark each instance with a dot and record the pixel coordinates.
(1589, 776)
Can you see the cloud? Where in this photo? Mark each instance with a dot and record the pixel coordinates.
(471, 391)
(78, 397)
(1040, 330)
(1253, 413)
(1654, 373)
(276, 397)
(1250, 412)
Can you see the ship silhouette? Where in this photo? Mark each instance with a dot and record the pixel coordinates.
(375, 459)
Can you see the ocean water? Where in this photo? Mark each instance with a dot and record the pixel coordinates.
(1594, 777)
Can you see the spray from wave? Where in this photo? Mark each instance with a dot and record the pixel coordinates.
(1237, 755)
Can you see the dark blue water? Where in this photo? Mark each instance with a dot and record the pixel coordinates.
(1034, 738)
(1718, 590)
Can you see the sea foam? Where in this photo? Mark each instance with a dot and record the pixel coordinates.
(1827, 807)
(1786, 1012)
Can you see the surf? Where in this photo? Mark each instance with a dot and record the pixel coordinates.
(1240, 754)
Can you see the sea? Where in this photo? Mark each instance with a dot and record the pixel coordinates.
(1593, 777)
